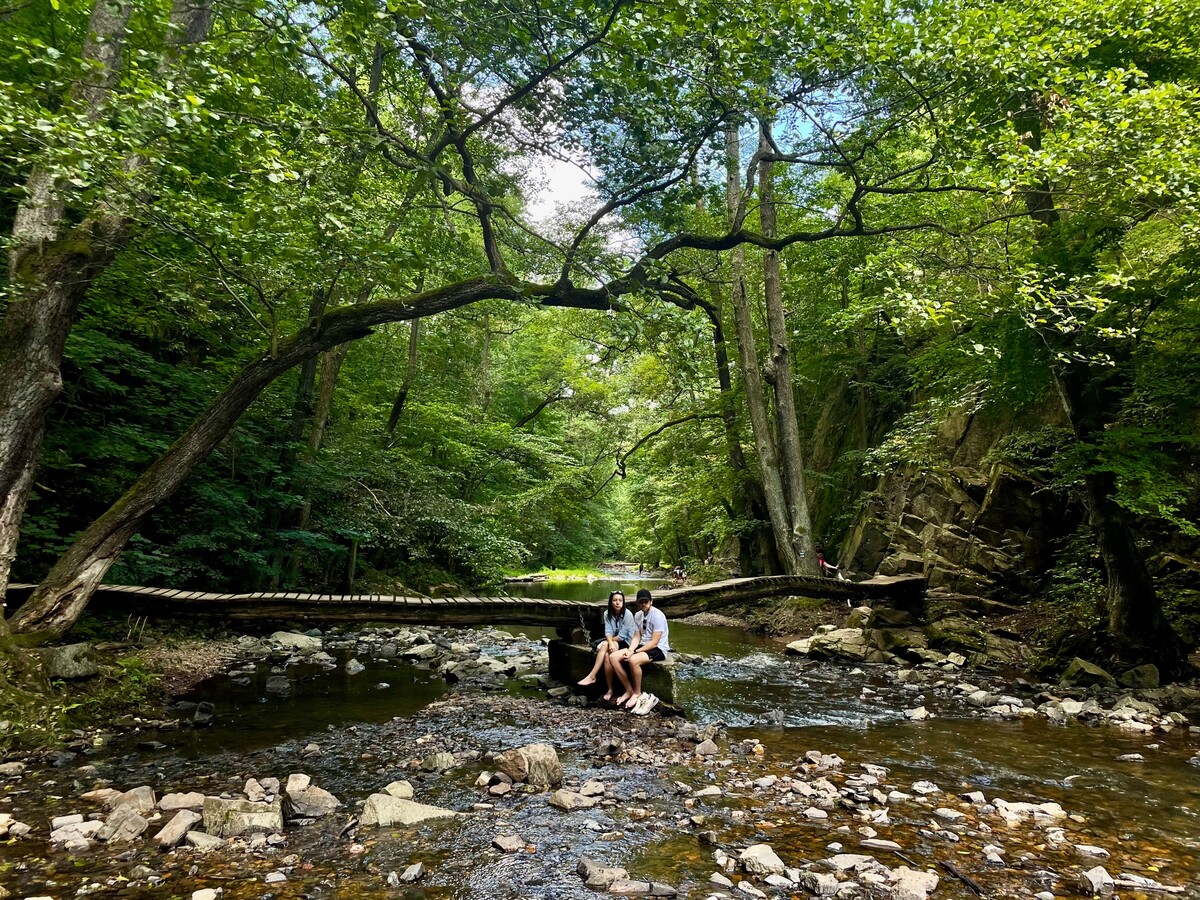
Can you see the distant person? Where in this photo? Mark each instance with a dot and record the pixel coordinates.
(641, 569)
(618, 635)
(650, 645)
(827, 568)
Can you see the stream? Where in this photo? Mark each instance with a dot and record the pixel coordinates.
(374, 726)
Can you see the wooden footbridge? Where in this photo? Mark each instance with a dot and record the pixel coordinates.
(906, 592)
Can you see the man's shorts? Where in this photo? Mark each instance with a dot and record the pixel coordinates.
(655, 654)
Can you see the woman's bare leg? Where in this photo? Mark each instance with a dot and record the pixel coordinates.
(617, 666)
(590, 677)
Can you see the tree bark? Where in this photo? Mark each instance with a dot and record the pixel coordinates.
(50, 265)
(791, 451)
(1136, 624)
(772, 481)
(409, 374)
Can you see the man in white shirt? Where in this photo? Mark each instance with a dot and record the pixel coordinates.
(650, 645)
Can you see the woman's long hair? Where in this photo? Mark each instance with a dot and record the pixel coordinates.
(612, 613)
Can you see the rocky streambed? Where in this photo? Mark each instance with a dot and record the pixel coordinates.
(493, 782)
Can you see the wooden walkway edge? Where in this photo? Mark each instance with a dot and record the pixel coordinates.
(907, 592)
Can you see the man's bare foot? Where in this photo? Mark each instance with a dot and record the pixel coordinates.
(607, 697)
(584, 682)
(632, 701)
(621, 700)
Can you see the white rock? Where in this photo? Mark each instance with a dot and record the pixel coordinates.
(761, 859)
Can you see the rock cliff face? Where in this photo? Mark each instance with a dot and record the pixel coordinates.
(970, 525)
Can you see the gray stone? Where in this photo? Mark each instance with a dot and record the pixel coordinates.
(206, 894)
(535, 764)
(173, 802)
(1082, 673)
(597, 875)
(300, 643)
(176, 830)
(760, 859)
(569, 800)
(354, 667)
(438, 762)
(415, 872)
(707, 748)
(1096, 881)
(12, 768)
(1146, 676)
(401, 789)
(912, 884)
(509, 843)
(203, 842)
(125, 824)
(310, 803)
(141, 799)
(384, 810)
(70, 661)
(253, 791)
(227, 818)
(819, 883)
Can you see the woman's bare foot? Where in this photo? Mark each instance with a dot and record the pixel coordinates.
(607, 697)
(621, 700)
(585, 681)
(632, 701)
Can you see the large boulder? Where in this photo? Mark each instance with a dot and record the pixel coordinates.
(535, 764)
(291, 640)
(70, 661)
(761, 859)
(957, 634)
(306, 801)
(384, 810)
(841, 643)
(226, 818)
(1140, 677)
(1081, 673)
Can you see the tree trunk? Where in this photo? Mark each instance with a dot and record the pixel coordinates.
(409, 375)
(53, 264)
(65, 592)
(1136, 624)
(772, 482)
(791, 451)
(50, 266)
(331, 367)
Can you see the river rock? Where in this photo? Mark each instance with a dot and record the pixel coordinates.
(354, 667)
(819, 883)
(438, 762)
(298, 643)
(12, 768)
(176, 830)
(227, 818)
(254, 791)
(1082, 673)
(1096, 881)
(508, 843)
(707, 747)
(623, 887)
(1146, 676)
(596, 875)
(173, 802)
(569, 800)
(141, 799)
(535, 764)
(124, 825)
(847, 643)
(401, 789)
(203, 842)
(912, 884)
(385, 810)
(415, 872)
(309, 802)
(70, 662)
(761, 859)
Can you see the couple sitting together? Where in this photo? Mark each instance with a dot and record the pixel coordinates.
(633, 641)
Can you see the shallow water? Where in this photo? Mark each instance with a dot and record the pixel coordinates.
(1145, 814)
